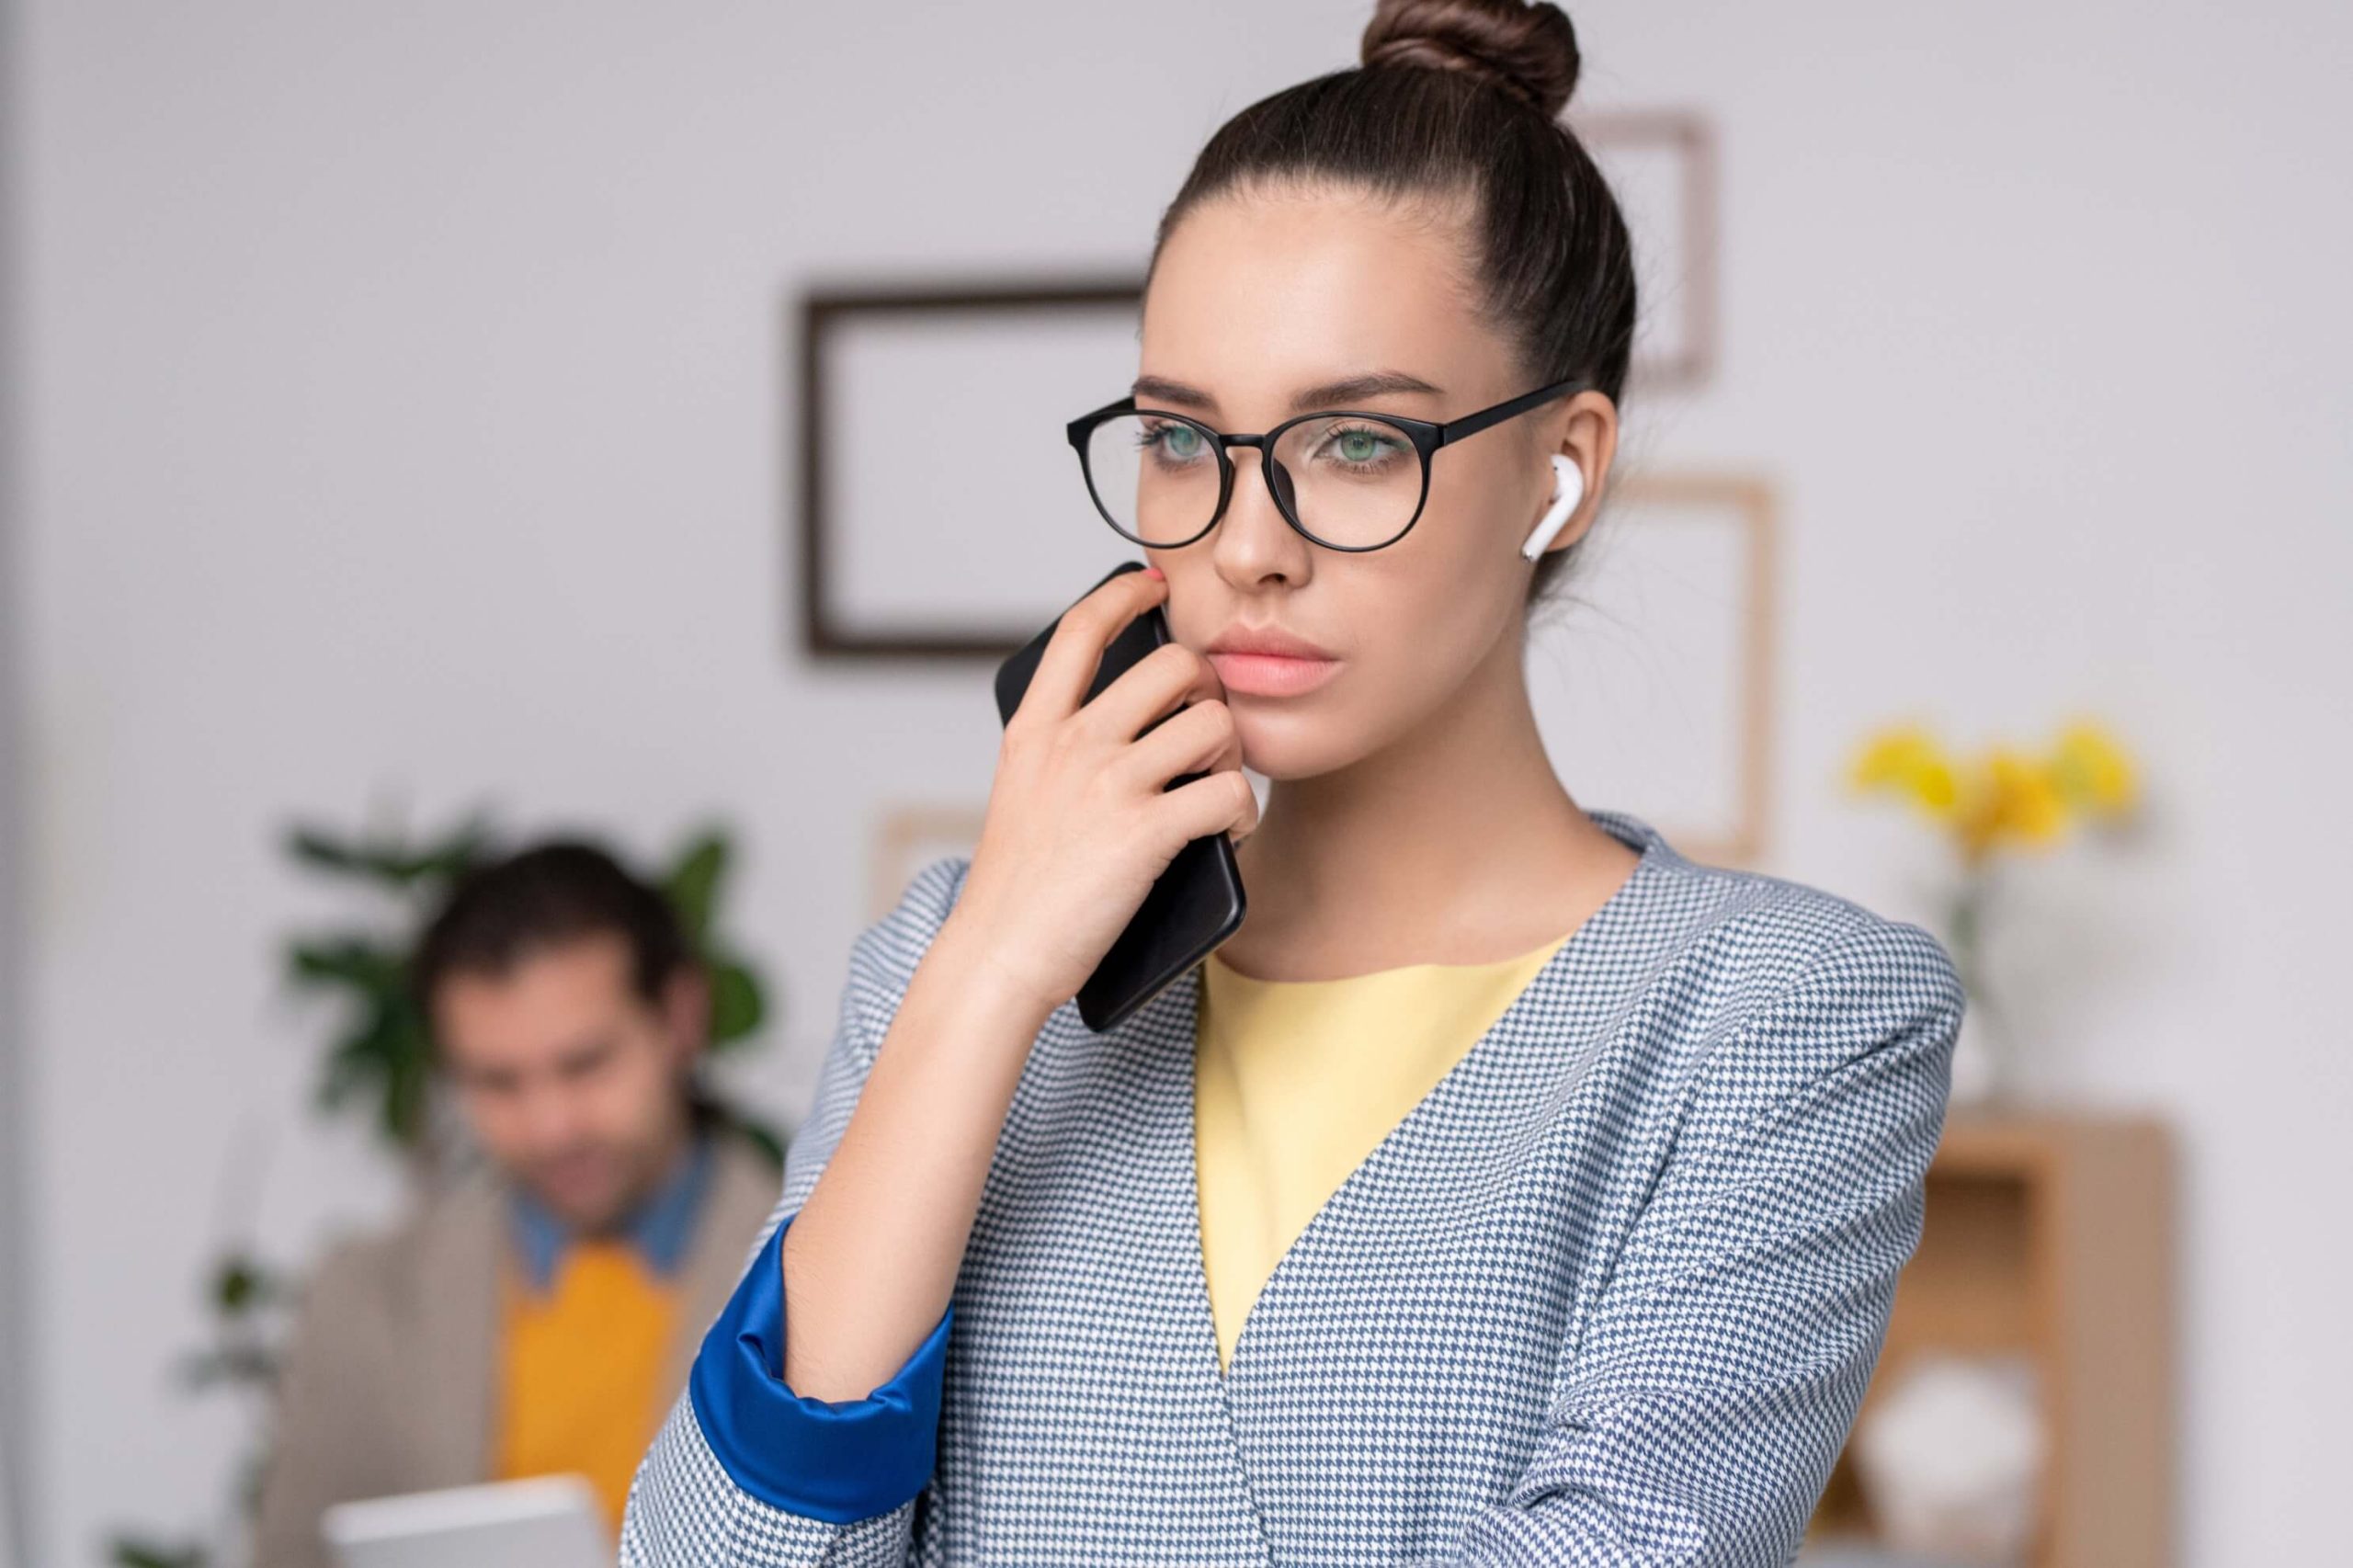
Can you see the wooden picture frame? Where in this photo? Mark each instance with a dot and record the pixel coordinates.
(929, 317)
(910, 834)
(1664, 673)
(1662, 164)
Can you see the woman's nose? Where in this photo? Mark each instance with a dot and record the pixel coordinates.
(1251, 540)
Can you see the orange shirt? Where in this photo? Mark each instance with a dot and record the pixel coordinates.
(580, 1380)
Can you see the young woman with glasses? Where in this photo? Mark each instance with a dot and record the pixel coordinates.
(1511, 1189)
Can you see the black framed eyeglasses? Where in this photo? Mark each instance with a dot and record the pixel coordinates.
(1342, 479)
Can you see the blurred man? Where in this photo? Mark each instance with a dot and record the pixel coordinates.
(541, 1318)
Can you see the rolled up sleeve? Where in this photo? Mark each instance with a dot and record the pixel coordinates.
(841, 1461)
(745, 1473)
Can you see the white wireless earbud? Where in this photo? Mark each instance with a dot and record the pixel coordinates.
(1568, 489)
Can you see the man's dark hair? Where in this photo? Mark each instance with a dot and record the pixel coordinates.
(545, 896)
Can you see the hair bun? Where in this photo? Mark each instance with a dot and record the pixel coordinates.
(1529, 50)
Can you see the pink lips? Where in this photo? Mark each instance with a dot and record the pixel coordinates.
(1271, 674)
(1268, 661)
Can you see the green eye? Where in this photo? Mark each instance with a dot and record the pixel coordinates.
(1182, 441)
(1362, 448)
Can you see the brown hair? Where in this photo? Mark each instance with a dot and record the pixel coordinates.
(552, 893)
(1455, 97)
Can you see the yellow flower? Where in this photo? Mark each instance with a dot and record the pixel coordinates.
(2018, 799)
(2092, 772)
(1907, 761)
(2006, 796)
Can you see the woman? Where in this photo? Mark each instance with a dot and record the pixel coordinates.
(1510, 1188)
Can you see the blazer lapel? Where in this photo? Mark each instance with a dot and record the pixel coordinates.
(1469, 1130)
(455, 1366)
(1442, 1251)
(1082, 1285)
(743, 1191)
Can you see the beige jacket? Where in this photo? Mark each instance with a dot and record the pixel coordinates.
(389, 1384)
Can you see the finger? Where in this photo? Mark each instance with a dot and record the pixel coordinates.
(1155, 687)
(1075, 651)
(1231, 756)
(1191, 742)
(1218, 803)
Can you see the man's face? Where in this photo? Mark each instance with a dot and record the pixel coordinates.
(572, 1081)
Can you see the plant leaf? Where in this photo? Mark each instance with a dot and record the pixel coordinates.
(693, 883)
(388, 1051)
(240, 1285)
(736, 1004)
(131, 1551)
(390, 860)
(463, 849)
(366, 962)
(319, 847)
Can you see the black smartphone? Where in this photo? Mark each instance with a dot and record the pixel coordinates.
(1196, 903)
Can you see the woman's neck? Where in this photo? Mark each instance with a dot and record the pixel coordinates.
(1457, 844)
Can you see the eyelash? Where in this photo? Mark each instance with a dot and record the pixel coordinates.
(1149, 433)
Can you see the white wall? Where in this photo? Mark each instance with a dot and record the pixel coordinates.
(13, 1163)
(402, 401)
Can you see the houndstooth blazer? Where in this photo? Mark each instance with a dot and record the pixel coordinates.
(1610, 1293)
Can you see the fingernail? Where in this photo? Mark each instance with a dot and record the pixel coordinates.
(1155, 572)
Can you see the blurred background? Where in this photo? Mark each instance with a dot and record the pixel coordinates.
(401, 422)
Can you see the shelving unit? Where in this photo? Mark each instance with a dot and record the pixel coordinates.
(2053, 1233)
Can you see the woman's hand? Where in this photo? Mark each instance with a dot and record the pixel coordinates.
(1079, 826)
(1080, 820)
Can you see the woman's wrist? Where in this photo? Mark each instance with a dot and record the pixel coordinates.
(989, 998)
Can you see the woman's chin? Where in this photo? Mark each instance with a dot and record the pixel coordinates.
(1286, 746)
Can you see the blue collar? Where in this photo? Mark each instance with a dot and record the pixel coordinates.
(658, 1228)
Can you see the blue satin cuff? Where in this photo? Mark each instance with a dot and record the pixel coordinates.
(836, 1459)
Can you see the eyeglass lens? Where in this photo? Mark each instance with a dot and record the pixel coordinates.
(1351, 480)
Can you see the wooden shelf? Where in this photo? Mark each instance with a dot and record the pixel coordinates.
(2051, 1234)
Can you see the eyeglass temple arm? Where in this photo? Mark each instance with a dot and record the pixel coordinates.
(1076, 429)
(1471, 424)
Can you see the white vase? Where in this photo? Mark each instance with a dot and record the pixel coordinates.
(1951, 1458)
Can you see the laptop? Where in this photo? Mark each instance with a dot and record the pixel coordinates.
(548, 1522)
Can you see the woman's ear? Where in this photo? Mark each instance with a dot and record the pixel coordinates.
(1588, 434)
(1584, 436)
(1568, 494)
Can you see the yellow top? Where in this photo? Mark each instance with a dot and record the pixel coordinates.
(580, 1380)
(1296, 1081)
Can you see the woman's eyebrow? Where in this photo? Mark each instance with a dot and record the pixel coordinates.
(1352, 389)
(1330, 394)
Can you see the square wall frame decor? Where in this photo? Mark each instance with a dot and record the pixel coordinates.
(910, 834)
(941, 511)
(1654, 691)
(1662, 164)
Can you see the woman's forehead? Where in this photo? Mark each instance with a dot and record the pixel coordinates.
(1257, 300)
